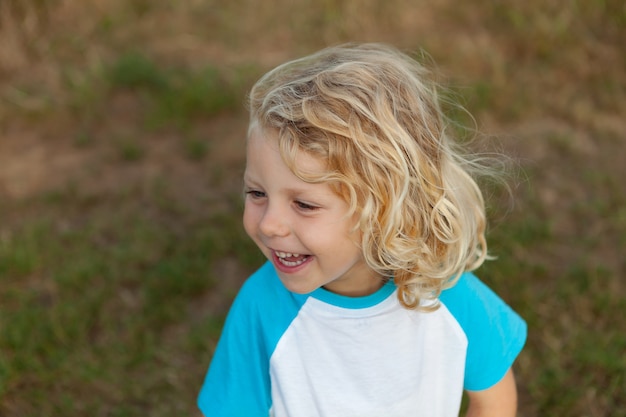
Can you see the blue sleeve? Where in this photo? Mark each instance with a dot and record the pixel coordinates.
(496, 334)
(237, 383)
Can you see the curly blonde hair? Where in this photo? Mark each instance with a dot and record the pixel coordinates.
(373, 116)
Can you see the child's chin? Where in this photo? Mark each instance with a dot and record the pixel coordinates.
(295, 287)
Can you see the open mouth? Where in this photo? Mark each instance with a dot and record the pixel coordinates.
(291, 259)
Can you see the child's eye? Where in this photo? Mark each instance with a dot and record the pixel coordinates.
(304, 206)
(255, 194)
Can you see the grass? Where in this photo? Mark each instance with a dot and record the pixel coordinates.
(116, 272)
(90, 298)
(174, 95)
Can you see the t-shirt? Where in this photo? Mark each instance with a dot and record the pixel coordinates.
(325, 355)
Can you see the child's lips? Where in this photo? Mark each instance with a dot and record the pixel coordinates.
(288, 260)
(293, 261)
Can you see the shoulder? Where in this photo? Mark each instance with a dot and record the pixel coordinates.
(264, 277)
(470, 296)
(265, 304)
(263, 282)
(495, 332)
(263, 288)
(473, 304)
(237, 382)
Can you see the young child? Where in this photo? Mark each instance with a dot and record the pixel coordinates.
(371, 221)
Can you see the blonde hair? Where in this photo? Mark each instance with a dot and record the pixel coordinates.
(371, 114)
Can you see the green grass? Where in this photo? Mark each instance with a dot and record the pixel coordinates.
(136, 71)
(101, 295)
(175, 95)
(196, 149)
(129, 149)
(572, 299)
(114, 285)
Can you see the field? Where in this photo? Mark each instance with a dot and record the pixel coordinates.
(122, 127)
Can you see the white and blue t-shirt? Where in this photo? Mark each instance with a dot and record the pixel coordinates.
(321, 354)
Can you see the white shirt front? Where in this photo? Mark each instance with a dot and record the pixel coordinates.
(378, 361)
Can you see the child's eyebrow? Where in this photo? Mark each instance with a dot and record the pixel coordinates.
(247, 177)
(308, 194)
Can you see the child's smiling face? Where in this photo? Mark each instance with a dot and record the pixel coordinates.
(304, 229)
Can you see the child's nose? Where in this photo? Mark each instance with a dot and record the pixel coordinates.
(274, 223)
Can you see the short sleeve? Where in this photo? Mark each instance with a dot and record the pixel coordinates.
(496, 334)
(237, 383)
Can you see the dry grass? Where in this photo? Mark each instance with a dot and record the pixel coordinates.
(120, 153)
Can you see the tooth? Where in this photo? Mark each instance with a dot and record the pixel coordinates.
(290, 263)
(283, 255)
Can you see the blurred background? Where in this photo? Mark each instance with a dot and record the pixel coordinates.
(122, 128)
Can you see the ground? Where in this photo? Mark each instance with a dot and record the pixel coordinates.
(122, 128)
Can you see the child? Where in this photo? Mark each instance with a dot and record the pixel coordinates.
(371, 222)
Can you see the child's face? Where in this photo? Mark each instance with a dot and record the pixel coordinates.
(303, 228)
